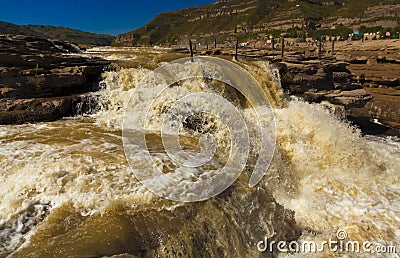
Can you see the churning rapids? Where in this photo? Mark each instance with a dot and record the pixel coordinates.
(67, 189)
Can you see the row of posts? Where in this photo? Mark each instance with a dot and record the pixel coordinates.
(273, 47)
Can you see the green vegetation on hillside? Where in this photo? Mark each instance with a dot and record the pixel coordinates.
(245, 18)
(57, 33)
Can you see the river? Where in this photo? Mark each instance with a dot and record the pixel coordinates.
(67, 189)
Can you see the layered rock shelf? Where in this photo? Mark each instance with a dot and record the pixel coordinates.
(363, 77)
(41, 81)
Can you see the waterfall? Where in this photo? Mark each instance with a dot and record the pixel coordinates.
(68, 189)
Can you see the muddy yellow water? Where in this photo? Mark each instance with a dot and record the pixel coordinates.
(66, 188)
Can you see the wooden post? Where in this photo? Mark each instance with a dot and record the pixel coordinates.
(273, 43)
(215, 42)
(207, 46)
(191, 49)
(333, 47)
(283, 47)
(237, 47)
(320, 48)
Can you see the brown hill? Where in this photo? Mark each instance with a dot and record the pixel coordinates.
(256, 18)
(56, 33)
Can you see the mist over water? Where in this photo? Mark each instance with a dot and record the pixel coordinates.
(67, 189)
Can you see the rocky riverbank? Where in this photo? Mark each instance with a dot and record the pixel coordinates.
(39, 82)
(363, 77)
(376, 65)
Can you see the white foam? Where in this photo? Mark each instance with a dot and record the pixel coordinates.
(323, 170)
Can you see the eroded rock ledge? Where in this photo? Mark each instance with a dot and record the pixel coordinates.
(363, 77)
(308, 77)
(329, 80)
(40, 82)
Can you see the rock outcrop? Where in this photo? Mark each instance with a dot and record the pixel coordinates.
(376, 65)
(39, 82)
(363, 77)
(317, 81)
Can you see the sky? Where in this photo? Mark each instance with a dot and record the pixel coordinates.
(101, 16)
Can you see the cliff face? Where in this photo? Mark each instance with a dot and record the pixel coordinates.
(228, 17)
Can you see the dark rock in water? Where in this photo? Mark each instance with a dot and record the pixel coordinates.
(38, 82)
(201, 123)
(13, 230)
(369, 126)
